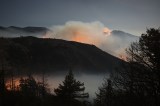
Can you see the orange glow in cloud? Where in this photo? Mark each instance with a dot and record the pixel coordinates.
(80, 38)
(123, 57)
(106, 31)
(83, 37)
(91, 33)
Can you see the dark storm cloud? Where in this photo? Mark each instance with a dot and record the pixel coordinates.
(129, 15)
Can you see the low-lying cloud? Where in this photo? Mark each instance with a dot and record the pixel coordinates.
(95, 33)
(91, 33)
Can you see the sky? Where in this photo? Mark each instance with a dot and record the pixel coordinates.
(132, 16)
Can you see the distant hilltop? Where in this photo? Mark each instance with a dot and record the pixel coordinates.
(13, 31)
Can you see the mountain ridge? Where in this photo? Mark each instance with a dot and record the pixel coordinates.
(114, 44)
(36, 29)
(52, 55)
(14, 31)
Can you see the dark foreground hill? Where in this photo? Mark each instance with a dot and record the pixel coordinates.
(53, 55)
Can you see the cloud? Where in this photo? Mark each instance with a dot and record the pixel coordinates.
(91, 33)
(95, 33)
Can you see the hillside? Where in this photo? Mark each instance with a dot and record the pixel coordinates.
(53, 55)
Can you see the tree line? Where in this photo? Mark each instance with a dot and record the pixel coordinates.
(137, 84)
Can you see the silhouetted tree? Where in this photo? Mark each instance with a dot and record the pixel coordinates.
(105, 95)
(140, 80)
(71, 89)
(43, 85)
(146, 52)
(28, 86)
(3, 70)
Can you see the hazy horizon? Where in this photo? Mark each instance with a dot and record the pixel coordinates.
(132, 16)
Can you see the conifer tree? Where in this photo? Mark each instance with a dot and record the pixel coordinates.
(71, 88)
(105, 95)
